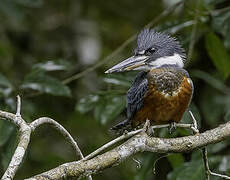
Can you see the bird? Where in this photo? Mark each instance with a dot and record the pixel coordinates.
(162, 89)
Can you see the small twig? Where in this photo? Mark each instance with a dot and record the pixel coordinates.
(208, 172)
(9, 117)
(218, 11)
(193, 118)
(156, 161)
(100, 63)
(45, 120)
(18, 109)
(206, 166)
(138, 163)
(180, 125)
(193, 33)
(131, 134)
(195, 126)
(109, 144)
(219, 175)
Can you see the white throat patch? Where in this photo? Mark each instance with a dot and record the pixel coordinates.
(168, 60)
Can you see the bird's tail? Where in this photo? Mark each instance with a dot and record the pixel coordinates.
(122, 126)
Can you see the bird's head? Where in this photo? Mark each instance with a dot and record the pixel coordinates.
(154, 50)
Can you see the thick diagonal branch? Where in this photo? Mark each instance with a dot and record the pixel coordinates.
(139, 143)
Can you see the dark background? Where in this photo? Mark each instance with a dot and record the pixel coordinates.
(45, 44)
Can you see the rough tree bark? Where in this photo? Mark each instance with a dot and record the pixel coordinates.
(138, 141)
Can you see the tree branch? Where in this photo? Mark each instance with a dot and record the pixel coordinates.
(109, 144)
(45, 120)
(127, 135)
(208, 172)
(24, 138)
(138, 143)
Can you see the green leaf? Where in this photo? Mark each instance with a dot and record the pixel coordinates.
(5, 86)
(221, 24)
(218, 147)
(106, 105)
(193, 170)
(224, 165)
(14, 15)
(214, 82)
(145, 169)
(88, 103)
(211, 109)
(218, 54)
(29, 109)
(175, 26)
(227, 115)
(224, 102)
(39, 81)
(59, 65)
(5, 48)
(118, 79)
(214, 2)
(8, 150)
(175, 159)
(109, 108)
(212, 99)
(6, 130)
(29, 3)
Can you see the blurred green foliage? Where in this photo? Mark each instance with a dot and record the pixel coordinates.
(44, 43)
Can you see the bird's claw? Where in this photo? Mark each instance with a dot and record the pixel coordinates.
(147, 128)
(125, 132)
(195, 130)
(172, 127)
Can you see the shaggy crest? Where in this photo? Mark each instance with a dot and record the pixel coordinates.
(162, 42)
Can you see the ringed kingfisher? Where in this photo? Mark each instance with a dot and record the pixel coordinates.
(162, 90)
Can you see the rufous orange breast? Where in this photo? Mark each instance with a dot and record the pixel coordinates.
(168, 96)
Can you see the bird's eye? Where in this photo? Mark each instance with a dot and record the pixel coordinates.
(150, 51)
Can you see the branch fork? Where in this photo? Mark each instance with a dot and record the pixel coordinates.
(25, 131)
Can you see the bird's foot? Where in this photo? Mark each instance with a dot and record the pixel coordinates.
(125, 132)
(172, 127)
(147, 128)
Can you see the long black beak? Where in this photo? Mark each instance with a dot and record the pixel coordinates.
(131, 63)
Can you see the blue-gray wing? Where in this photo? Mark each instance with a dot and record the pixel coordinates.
(136, 93)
